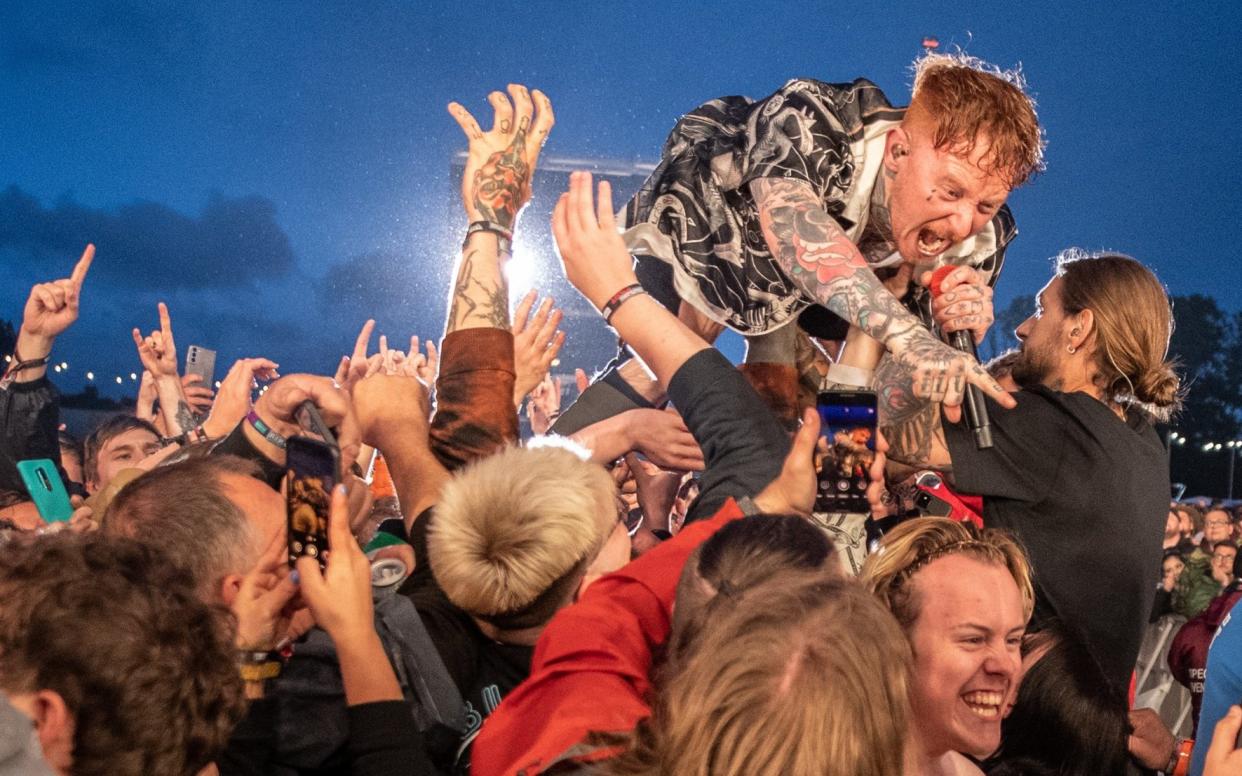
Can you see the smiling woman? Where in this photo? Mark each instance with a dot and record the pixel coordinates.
(963, 598)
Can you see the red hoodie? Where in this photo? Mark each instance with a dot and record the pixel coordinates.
(591, 665)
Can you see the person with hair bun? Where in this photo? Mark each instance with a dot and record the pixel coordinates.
(1077, 471)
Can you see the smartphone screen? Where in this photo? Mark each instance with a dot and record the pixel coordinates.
(313, 471)
(847, 424)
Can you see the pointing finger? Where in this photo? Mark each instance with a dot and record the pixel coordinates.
(83, 266)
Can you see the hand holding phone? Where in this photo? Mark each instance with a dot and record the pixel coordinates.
(46, 489)
(848, 428)
(313, 471)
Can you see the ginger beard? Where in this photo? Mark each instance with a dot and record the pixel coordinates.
(938, 197)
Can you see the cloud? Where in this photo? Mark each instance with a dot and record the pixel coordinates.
(231, 243)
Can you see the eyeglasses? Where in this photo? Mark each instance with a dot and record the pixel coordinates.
(1218, 523)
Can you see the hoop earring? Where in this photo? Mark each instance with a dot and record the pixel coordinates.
(1072, 350)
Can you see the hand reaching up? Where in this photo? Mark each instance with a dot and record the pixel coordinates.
(158, 351)
(53, 307)
(501, 161)
(592, 252)
(536, 343)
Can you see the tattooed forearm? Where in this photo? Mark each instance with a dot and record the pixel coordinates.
(184, 417)
(818, 255)
(911, 425)
(480, 294)
(501, 184)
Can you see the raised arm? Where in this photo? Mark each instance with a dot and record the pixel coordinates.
(815, 251)
(494, 188)
(475, 412)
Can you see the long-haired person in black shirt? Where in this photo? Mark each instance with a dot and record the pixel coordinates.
(1076, 471)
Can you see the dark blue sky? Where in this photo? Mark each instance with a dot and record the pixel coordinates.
(278, 170)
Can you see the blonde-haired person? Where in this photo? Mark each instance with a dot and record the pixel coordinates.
(800, 676)
(1076, 471)
(963, 598)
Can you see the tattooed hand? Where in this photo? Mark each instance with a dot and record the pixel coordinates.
(964, 303)
(501, 161)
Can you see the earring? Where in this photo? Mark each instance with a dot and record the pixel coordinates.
(1072, 350)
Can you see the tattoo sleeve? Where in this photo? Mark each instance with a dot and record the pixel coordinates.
(910, 425)
(821, 259)
(480, 296)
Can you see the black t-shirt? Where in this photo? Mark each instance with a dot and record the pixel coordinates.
(484, 670)
(1086, 494)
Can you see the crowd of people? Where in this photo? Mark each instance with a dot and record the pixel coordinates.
(650, 583)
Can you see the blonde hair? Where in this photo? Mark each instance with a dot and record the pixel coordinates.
(800, 676)
(914, 544)
(966, 100)
(1133, 326)
(516, 525)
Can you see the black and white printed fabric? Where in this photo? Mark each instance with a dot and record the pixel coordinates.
(696, 212)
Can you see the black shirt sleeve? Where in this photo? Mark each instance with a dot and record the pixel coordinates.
(249, 748)
(384, 741)
(1026, 454)
(743, 444)
(29, 428)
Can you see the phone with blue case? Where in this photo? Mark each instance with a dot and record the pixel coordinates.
(46, 489)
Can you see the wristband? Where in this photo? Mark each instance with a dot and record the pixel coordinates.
(844, 374)
(620, 298)
(18, 365)
(504, 237)
(264, 430)
(1179, 763)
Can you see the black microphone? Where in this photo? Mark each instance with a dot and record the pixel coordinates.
(976, 410)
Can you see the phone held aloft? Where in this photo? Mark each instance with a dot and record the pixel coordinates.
(848, 428)
(313, 471)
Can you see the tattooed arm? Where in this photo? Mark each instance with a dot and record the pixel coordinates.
(495, 186)
(817, 254)
(910, 425)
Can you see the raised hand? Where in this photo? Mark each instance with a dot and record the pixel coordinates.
(53, 307)
(390, 404)
(592, 252)
(354, 367)
(424, 367)
(536, 343)
(233, 401)
(158, 351)
(501, 161)
(199, 397)
(276, 407)
(544, 405)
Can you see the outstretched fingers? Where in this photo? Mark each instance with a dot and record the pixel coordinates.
(465, 120)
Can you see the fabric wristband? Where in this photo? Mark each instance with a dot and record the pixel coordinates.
(1179, 763)
(620, 298)
(504, 237)
(264, 430)
(843, 374)
(18, 365)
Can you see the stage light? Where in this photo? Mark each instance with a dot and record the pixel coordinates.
(90, 375)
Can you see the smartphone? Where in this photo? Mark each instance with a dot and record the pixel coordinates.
(310, 420)
(848, 426)
(202, 362)
(313, 469)
(46, 489)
